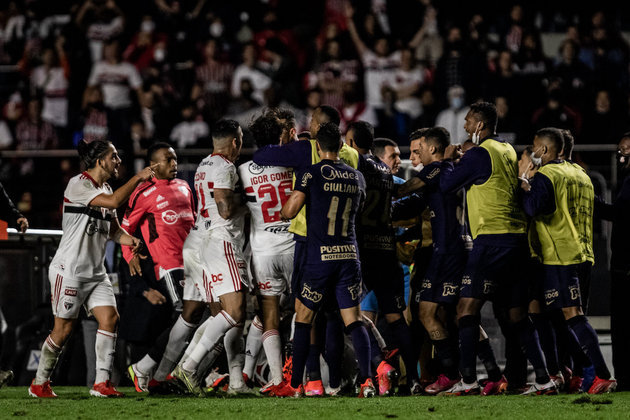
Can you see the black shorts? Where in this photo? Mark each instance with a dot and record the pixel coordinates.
(383, 274)
(498, 274)
(443, 277)
(562, 286)
(299, 261)
(536, 274)
(323, 281)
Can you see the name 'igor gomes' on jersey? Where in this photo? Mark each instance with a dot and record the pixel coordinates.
(267, 189)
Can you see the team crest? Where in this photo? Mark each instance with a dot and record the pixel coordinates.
(68, 305)
(311, 295)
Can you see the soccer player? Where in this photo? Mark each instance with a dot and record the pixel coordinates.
(333, 193)
(268, 188)
(164, 211)
(498, 228)
(222, 256)
(563, 238)
(77, 272)
(381, 271)
(299, 155)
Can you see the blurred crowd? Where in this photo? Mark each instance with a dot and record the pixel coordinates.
(136, 72)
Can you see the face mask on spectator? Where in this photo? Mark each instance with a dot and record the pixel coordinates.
(216, 29)
(159, 54)
(457, 102)
(147, 26)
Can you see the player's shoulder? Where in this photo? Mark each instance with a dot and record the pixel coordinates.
(144, 190)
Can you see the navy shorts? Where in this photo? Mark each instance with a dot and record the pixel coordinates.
(562, 286)
(383, 274)
(442, 279)
(299, 261)
(536, 274)
(324, 281)
(498, 274)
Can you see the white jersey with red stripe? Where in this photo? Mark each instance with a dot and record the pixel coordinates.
(215, 171)
(81, 252)
(267, 189)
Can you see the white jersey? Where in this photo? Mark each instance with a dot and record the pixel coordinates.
(215, 171)
(81, 251)
(267, 189)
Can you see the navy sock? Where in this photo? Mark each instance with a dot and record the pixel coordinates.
(361, 343)
(468, 339)
(570, 343)
(447, 354)
(486, 355)
(334, 350)
(547, 338)
(402, 335)
(590, 344)
(301, 344)
(313, 371)
(375, 350)
(528, 339)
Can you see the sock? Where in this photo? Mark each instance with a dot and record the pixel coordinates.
(179, 335)
(196, 337)
(590, 344)
(157, 350)
(233, 342)
(47, 361)
(486, 355)
(447, 353)
(361, 343)
(253, 346)
(377, 344)
(105, 348)
(528, 338)
(214, 332)
(273, 349)
(547, 338)
(206, 364)
(515, 361)
(301, 344)
(333, 353)
(570, 343)
(402, 335)
(468, 339)
(146, 365)
(313, 368)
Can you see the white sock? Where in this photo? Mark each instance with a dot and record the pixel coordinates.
(177, 338)
(105, 348)
(252, 346)
(292, 327)
(146, 365)
(377, 335)
(272, 344)
(196, 337)
(234, 350)
(206, 364)
(215, 330)
(47, 361)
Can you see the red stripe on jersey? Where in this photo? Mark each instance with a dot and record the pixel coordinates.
(65, 200)
(223, 156)
(249, 190)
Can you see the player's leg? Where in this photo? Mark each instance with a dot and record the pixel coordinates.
(496, 383)
(445, 348)
(253, 346)
(333, 350)
(547, 337)
(271, 337)
(234, 304)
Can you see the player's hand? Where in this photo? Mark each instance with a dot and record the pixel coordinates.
(154, 297)
(453, 152)
(525, 168)
(22, 224)
(147, 173)
(134, 265)
(137, 246)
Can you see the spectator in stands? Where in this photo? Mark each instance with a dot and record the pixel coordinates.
(408, 79)
(334, 74)
(532, 66)
(509, 123)
(191, 130)
(102, 21)
(212, 82)
(32, 132)
(504, 81)
(249, 69)
(451, 118)
(145, 46)
(427, 42)
(455, 67)
(355, 109)
(574, 76)
(556, 114)
(602, 122)
(117, 80)
(49, 82)
(283, 72)
(514, 35)
(94, 116)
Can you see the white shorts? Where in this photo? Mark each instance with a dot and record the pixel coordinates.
(225, 268)
(68, 295)
(193, 272)
(273, 273)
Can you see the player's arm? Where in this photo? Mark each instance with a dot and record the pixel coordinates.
(474, 167)
(10, 213)
(293, 205)
(411, 185)
(227, 202)
(118, 197)
(120, 236)
(540, 199)
(296, 154)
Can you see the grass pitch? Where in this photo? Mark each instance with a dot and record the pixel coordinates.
(75, 403)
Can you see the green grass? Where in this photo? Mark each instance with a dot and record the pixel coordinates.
(75, 403)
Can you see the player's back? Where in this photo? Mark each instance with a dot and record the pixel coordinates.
(217, 172)
(374, 224)
(267, 189)
(334, 192)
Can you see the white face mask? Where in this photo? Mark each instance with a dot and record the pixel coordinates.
(476, 138)
(147, 26)
(537, 161)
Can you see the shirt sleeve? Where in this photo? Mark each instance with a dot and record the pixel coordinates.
(303, 181)
(93, 80)
(430, 175)
(540, 200)
(475, 167)
(295, 155)
(81, 191)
